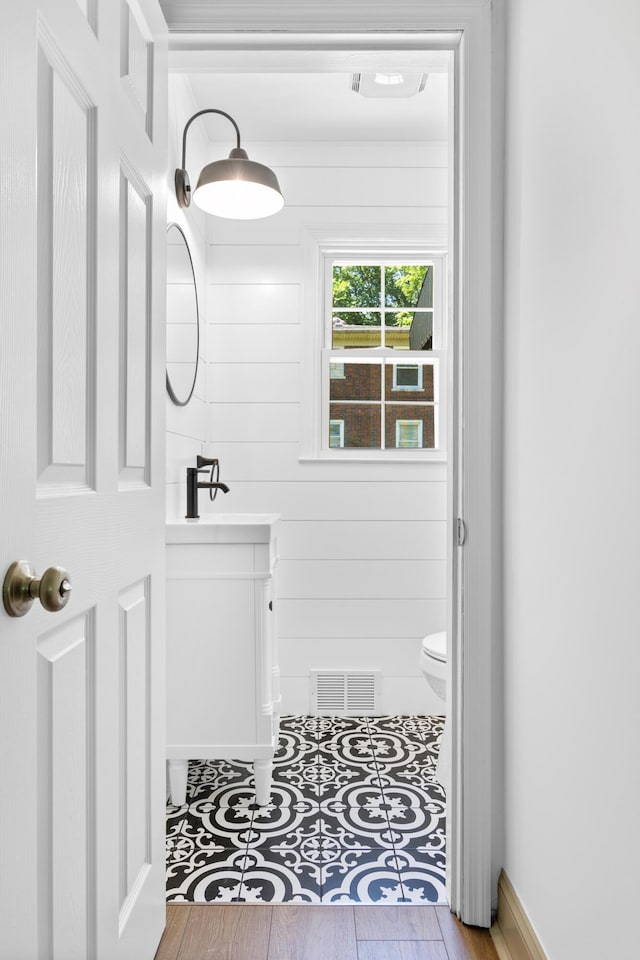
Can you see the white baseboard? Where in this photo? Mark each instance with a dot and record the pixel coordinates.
(513, 936)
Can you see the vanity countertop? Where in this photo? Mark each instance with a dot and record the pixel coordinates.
(223, 528)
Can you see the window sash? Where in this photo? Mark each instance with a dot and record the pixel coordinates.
(434, 359)
(381, 336)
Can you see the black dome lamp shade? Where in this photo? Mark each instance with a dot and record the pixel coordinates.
(237, 188)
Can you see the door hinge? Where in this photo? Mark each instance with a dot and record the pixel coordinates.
(462, 532)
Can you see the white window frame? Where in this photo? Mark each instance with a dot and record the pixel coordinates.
(377, 246)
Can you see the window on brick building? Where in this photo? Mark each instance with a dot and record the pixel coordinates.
(383, 355)
(408, 433)
(336, 433)
(407, 376)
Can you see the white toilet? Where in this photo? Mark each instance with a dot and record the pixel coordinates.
(433, 663)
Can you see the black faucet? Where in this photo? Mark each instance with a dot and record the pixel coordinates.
(193, 484)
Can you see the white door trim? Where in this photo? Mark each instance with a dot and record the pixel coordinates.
(474, 833)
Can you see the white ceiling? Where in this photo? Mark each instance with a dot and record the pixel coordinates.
(321, 106)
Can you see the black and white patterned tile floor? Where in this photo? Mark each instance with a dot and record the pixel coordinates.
(356, 816)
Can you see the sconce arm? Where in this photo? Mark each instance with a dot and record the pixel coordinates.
(194, 117)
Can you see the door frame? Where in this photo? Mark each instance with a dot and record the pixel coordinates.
(474, 831)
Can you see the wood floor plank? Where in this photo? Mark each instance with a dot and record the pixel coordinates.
(464, 943)
(397, 923)
(312, 933)
(227, 932)
(177, 919)
(401, 950)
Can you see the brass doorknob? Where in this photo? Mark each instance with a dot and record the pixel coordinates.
(21, 587)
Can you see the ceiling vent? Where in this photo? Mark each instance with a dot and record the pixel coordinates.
(356, 693)
(388, 84)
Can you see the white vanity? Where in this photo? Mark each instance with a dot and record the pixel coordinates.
(223, 684)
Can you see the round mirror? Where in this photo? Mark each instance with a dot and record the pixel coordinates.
(183, 325)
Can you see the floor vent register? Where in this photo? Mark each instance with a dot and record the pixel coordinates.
(346, 693)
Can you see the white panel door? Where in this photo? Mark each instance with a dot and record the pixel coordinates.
(82, 224)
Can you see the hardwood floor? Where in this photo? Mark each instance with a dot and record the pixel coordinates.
(299, 932)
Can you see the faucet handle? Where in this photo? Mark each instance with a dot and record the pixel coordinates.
(212, 468)
(205, 462)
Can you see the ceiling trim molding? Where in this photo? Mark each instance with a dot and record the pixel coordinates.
(202, 16)
(310, 53)
(305, 40)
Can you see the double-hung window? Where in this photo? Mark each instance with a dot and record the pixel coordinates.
(383, 371)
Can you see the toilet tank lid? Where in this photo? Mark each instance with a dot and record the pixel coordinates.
(435, 644)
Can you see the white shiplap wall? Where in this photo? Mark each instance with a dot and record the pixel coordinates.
(187, 427)
(362, 575)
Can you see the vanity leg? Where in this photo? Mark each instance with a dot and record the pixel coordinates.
(262, 776)
(178, 770)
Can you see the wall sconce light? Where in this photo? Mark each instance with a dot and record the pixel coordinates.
(238, 188)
